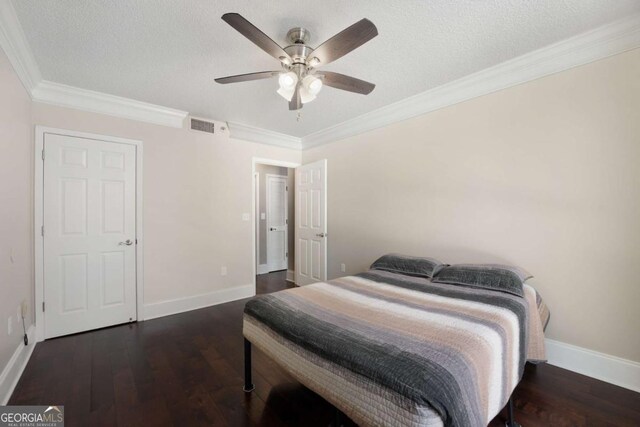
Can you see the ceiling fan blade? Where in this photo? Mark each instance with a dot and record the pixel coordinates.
(247, 77)
(259, 38)
(351, 84)
(296, 101)
(344, 42)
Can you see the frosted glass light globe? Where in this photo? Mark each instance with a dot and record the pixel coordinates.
(287, 80)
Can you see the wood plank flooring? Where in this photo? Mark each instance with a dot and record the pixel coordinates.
(186, 370)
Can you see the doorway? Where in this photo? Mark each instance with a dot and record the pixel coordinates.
(307, 233)
(274, 219)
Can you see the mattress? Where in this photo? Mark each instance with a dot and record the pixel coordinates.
(394, 350)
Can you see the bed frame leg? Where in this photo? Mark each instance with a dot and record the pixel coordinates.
(338, 419)
(248, 383)
(511, 421)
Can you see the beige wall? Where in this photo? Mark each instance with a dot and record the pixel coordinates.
(196, 188)
(16, 182)
(263, 170)
(544, 175)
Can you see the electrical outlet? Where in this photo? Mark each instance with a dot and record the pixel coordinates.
(19, 313)
(10, 325)
(343, 268)
(25, 308)
(12, 255)
(223, 270)
(246, 217)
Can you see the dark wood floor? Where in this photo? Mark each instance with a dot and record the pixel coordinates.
(186, 370)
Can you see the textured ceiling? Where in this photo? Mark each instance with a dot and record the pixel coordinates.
(167, 52)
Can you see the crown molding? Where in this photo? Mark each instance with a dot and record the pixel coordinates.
(98, 102)
(264, 136)
(593, 45)
(15, 45)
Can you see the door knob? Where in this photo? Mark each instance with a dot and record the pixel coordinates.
(127, 242)
(321, 234)
(272, 229)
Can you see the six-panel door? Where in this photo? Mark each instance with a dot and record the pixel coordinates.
(311, 223)
(277, 222)
(89, 234)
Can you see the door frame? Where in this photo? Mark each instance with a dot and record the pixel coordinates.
(256, 200)
(38, 218)
(286, 213)
(254, 162)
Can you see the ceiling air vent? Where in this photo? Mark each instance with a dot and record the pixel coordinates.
(201, 125)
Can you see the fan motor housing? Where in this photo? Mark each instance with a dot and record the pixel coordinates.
(298, 51)
(298, 35)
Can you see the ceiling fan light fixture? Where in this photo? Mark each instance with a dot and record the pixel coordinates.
(305, 95)
(312, 84)
(285, 60)
(286, 93)
(288, 81)
(313, 62)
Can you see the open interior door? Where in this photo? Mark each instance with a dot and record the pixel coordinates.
(311, 223)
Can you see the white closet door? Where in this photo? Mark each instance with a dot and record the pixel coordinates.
(311, 223)
(277, 220)
(89, 234)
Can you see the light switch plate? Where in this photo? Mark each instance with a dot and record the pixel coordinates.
(246, 217)
(223, 270)
(10, 325)
(263, 216)
(343, 268)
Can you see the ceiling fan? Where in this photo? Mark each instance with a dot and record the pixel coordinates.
(299, 80)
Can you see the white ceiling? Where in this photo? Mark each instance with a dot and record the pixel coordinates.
(167, 52)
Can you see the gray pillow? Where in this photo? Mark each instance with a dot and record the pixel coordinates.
(409, 265)
(503, 278)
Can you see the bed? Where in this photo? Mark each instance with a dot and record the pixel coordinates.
(391, 349)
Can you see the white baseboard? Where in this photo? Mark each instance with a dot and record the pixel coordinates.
(180, 305)
(615, 370)
(262, 269)
(291, 276)
(13, 371)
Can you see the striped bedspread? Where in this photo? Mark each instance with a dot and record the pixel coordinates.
(395, 350)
